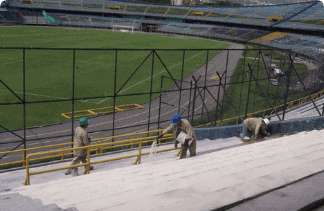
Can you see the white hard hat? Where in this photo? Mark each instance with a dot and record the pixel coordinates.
(266, 121)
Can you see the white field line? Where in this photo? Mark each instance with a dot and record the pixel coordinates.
(121, 119)
(42, 95)
(162, 71)
(11, 62)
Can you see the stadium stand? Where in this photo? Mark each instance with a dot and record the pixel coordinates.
(268, 37)
(308, 18)
(6, 16)
(255, 15)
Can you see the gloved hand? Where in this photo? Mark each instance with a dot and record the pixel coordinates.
(159, 136)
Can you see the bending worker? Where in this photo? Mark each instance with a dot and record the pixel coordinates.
(183, 133)
(255, 126)
(80, 139)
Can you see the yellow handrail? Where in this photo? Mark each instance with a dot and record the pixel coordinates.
(70, 143)
(139, 141)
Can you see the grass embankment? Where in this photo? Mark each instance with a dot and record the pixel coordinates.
(238, 91)
(49, 72)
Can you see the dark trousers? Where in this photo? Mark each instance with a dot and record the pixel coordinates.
(192, 150)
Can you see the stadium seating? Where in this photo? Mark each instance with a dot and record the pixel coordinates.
(6, 16)
(257, 15)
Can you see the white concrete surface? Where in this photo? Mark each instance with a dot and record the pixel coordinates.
(10, 180)
(204, 182)
(304, 110)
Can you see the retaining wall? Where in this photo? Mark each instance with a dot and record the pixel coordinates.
(279, 127)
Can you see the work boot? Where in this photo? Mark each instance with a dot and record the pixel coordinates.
(75, 172)
(68, 172)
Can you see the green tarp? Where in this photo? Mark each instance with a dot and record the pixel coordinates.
(50, 19)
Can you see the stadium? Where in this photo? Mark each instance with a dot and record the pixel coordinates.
(129, 66)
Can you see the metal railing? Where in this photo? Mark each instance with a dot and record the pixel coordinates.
(138, 141)
(97, 140)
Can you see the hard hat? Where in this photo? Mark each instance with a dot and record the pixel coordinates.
(267, 117)
(84, 121)
(266, 121)
(175, 119)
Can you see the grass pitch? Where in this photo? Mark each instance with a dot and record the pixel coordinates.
(49, 73)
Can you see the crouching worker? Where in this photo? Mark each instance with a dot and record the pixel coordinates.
(183, 133)
(80, 139)
(252, 127)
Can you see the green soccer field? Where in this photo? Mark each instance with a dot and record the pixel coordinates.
(49, 73)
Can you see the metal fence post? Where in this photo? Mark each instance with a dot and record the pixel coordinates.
(73, 84)
(139, 151)
(182, 69)
(115, 80)
(202, 113)
(88, 160)
(193, 104)
(24, 97)
(151, 89)
(160, 102)
(189, 101)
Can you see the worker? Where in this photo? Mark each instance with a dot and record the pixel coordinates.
(183, 133)
(81, 138)
(252, 127)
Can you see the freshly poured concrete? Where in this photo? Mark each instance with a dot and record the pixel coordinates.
(204, 182)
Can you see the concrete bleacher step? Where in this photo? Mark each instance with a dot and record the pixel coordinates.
(25, 203)
(199, 183)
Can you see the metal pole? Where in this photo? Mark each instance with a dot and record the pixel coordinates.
(219, 81)
(287, 89)
(183, 58)
(115, 80)
(256, 80)
(225, 86)
(242, 80)
(73, 83)
(203, 103)
(237, 112)
(203, 99)
(264, 93)
(149, 113)
(193, 104)
(189, 101)
(160, 102)
(248, 97)
(24, 97)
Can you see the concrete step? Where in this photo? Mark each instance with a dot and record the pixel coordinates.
(203, 182)
(26, 203)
